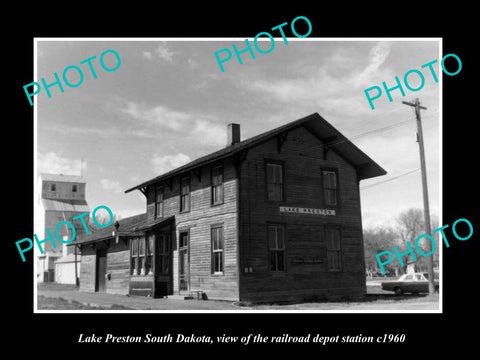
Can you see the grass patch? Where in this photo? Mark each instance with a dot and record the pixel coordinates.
(48, 303)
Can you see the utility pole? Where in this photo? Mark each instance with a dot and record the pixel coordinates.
(426, 209)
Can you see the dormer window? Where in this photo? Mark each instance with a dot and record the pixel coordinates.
(53, 187)
(74, 188)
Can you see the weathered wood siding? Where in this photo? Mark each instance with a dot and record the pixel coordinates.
(87, 269)
(63, 190)
(198, 222)
(118, 266)
(303, 157)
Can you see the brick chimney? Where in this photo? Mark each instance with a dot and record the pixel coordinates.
(233, 134)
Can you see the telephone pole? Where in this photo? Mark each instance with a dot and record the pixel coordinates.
(426, 209)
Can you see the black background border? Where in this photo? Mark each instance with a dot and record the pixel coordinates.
(426, 333)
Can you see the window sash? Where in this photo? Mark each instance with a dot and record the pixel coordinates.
(329, 179)
(217, 194)
(333, 239)
(277, 260)
(183, 241)
(274, 181)
(134, 247)
(330, 187)
(217, 175)
(276, 237)
(141, 255)
(159, 202)
(218, 262)
(185, 186)
(276, 247)
(334, 254)
(217, 185)
(217, 238)
(217, 250)
(330, 196)
(148, 264)
(185, 194)
(334, 259)
(133, 264)
(141, 247)
(149, 244)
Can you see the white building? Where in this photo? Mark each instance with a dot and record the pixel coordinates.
(60, 198)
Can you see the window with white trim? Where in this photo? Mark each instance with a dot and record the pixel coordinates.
(217, 250)
(185, 194)
(158, 202)
(217, 185)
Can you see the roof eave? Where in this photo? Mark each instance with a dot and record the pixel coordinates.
(369, 170)
(179, 172)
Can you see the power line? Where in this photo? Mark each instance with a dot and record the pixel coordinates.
(393, 178)
(373, 131)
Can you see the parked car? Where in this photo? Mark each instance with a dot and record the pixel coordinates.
(410, 283)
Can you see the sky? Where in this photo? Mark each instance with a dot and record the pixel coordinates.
(169, 103)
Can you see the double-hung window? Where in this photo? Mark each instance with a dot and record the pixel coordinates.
(158, 202)
(141, 256)
(134, 256)
(274, 181)
(276, 247)
(217, 185)
(334, 254)
(141, 252)
(149, 254)
(217, 250)
(330, 187)
(185, 194)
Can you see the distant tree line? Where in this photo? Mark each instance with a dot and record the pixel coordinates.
(408, 226)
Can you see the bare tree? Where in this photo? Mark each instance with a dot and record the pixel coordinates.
(377, 240)
(104, 218)
(411, 224)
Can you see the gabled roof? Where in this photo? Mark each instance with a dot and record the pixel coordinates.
(76, 205)
(127, 227)
(62, 178)
(366, 167)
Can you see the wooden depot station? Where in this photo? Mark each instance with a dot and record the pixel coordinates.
(275, 217)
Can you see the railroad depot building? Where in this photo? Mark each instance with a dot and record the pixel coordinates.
(271, 218)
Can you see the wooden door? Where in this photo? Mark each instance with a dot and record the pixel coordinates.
(163, 274)
(101, 270)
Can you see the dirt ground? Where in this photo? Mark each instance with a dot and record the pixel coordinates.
(67, 297)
